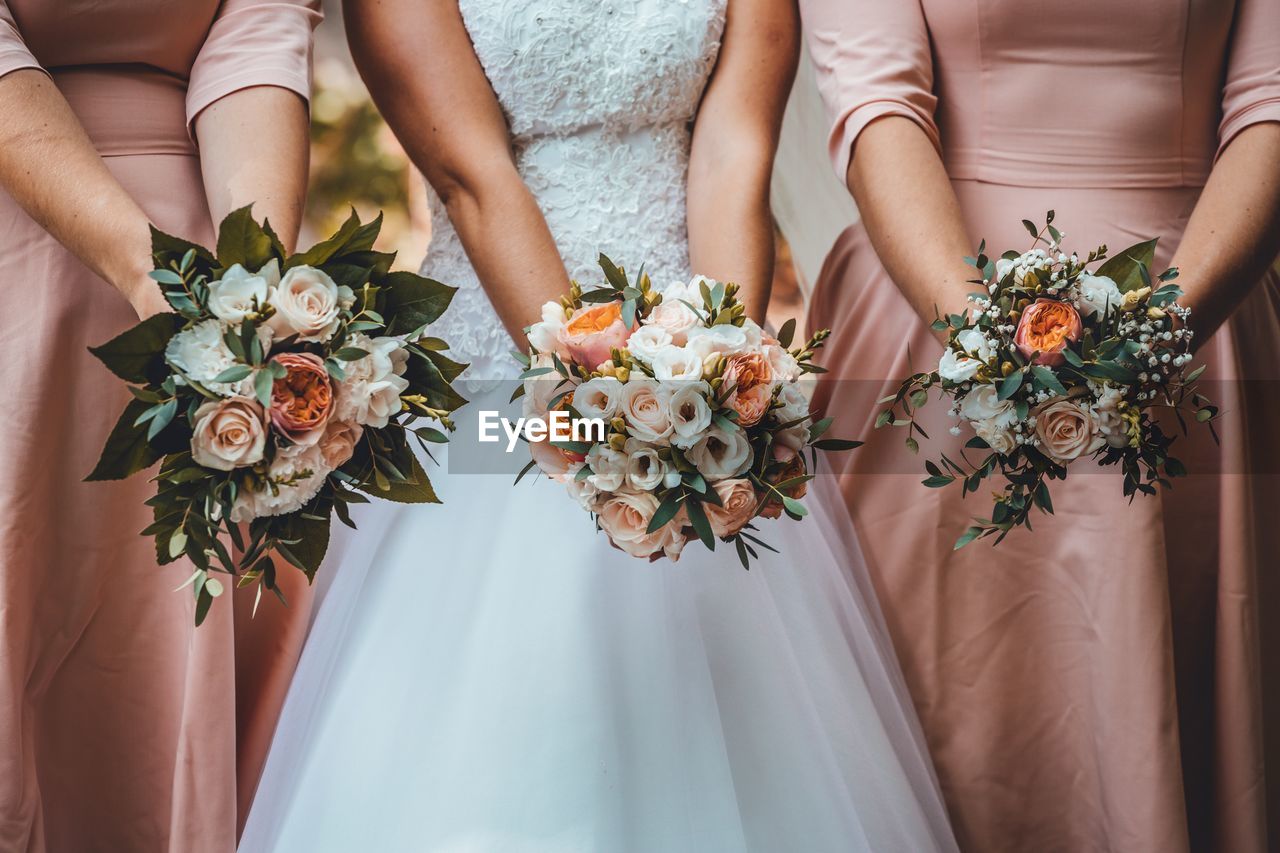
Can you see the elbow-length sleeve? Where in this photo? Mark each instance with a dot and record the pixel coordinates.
(254, 43)
(872, 58)
(1252, 90)
(13, 50)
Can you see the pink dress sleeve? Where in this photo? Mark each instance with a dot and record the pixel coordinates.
(13, 50)
(872, 59)
(254, 43)
(1252, 90)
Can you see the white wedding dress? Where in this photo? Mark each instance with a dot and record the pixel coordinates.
(489, 675)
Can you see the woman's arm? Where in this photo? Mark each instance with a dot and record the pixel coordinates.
(254, 150)
(911, 214)
(50, 167)
(442, 108)
(735, 138)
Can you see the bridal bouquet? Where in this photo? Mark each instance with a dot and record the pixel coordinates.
(281, 389)
(700, 425)
(1053, 363)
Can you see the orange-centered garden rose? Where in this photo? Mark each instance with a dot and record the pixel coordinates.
(302, 401)
(1046, 327)
(593, 332)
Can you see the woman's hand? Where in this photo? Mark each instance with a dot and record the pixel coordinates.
(147, 300)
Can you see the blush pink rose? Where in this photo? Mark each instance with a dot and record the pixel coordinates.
(339, 441)
(1046, 327)
(1067, 430)
(625, 518)
(229, 434)
(302, 401)
(751, 405)
(737, 506)
(593, 332)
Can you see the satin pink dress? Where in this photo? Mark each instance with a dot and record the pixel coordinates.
(1110, 682)
(119, 722)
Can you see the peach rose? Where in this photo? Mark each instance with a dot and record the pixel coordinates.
(553, 461)
(1046, 327)
(302, 401)
(592, 332)
(751, 405)
(1067, 430)
(229, 434)
(625, 518)
(339, 441)
(737, 506)
(747, 370)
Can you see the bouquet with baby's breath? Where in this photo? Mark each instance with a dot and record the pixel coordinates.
(281, 389)
(1053, 363)
(702, 422)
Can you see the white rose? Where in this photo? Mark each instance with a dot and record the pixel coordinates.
(229, 434)
(647, 341)
(296, 476)
(581, 490)
(690, 413)
(753, 333)
(201, 354)
(672, 362)
(308, 303)
(721, 453)
(956, 367)
(983, 403)
(794, 438)
(625, 518)
(608, 468)
(645, 470)
(975, 343)
(598, 398)
(673, 315)
(240, 293)
(646, 407)
(370, 393)
(717, 340)
(1098, 293)
(995, 434)
(785, 367)
(544, 336)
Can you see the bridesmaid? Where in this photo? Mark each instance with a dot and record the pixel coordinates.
(118, 721)
(1099, 684)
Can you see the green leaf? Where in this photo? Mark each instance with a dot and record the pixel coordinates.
(409, 301)
(968, 536)
(307, 534)
(666, 511)
(786, 333)
(835, 445)
(415, 490)
(1048, 379)
(162, 418)
(701, 526)
(350, 354)
(241, 240)
(1031, 228)
(166, 248)
(127, 450)
(263, 382)
(794, 508)
(234, 373)
(177, 544)
(1126, 268)
(615, 276)
(137, 355)
(938, 481)
(1010, 385)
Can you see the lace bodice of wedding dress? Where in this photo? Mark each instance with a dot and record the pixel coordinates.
(599, 96)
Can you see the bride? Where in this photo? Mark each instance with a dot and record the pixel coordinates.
(489, 674)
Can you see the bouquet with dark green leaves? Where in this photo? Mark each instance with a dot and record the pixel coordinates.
(282, 389)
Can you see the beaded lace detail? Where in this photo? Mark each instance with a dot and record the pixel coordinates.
(599, 96)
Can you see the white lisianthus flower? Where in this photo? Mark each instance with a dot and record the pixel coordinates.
(956, 367)
(721, 453)
(984, 404)
(785, 367)
(295, 476)
(646, 407)
(201, 354)
(717, 340)
(690, 413)
(370, 393)
(645, 470)
(674, 363)
(581, 490)
(647, 341)
(753, 333)
(996, 434)
(240, 293)
(1098, 293)
(608, 468)
(598, 397)
(308, 304)
(794, 404)
(544, 336)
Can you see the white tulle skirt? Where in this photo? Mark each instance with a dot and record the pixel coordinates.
(489, 675)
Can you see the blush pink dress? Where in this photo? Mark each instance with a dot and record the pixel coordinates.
(119, 722)
(1109, 682)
